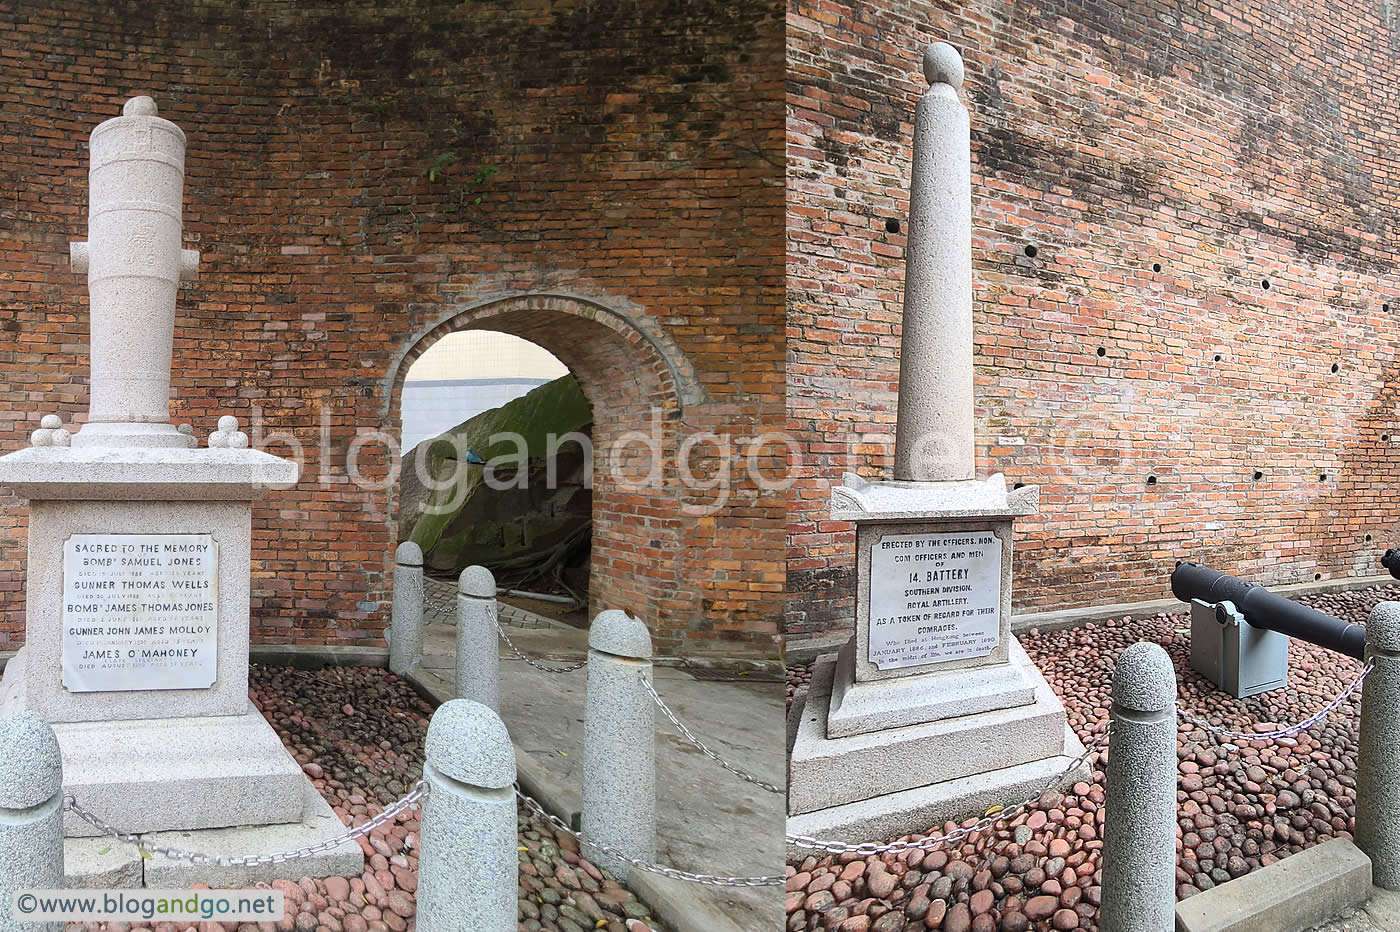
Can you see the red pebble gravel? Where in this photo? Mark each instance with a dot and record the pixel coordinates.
(365, 754)
(1239, 806)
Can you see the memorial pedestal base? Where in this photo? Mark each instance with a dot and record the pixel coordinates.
(145, 775)
(100, 863)
(879, 705)
(877, 785)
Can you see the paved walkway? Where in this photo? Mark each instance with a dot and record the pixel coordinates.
(1380, 914)
(709, 821)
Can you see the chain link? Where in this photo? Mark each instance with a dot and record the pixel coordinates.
(420, 790)
(672, 872)
(865, 849)
(1287, 731)
(689, 736)
(567, 668)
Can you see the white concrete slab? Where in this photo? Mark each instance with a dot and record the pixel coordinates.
(319, 824)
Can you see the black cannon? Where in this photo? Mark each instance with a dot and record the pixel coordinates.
(1240, 630)
(1263, 609)
(1391, 561)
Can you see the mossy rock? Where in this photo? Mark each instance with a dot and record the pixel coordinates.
(481, 493)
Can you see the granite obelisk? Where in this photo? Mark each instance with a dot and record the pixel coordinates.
(932, 710)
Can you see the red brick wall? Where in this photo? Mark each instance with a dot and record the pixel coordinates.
(637, 151)
(1232, 142)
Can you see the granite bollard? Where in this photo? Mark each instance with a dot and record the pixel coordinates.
(406, 624)
(467, 864)
(1139, 848)
(478, 656)
(31, 815)
(1378, 757)
(619, 742)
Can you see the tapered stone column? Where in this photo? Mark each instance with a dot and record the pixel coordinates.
(933, 439)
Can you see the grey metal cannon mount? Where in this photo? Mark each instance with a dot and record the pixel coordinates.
(1240, 630)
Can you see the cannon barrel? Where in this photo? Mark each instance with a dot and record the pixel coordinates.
(1263, 609)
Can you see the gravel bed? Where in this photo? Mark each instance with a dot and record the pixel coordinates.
(358, 734)
(1240, 806)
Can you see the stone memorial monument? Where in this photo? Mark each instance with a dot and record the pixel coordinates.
(137, 598)
(932, 711)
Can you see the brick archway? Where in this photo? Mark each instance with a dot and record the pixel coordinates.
(636, 381)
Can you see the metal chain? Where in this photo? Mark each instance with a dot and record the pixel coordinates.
(567, 668)
(1286, 732)
(689, 736)
(672, 872)
(420, 789)
(868, 848)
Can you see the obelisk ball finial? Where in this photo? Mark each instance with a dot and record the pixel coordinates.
(139, 106)
(943, 65)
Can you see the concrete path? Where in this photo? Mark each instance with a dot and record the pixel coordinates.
(1380, 914)
(709, 821)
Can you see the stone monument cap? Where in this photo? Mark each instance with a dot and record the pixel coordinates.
(1144, 679)
(469, 743)
(31, 769)
(1383, 626)
(140, 106)
(618, 633)
(943, 65)
(477, 581)
(409, 554)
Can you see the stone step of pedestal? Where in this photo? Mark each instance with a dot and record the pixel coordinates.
(159, 774)
(879, 705)
(319, 824)
(101, 863)
(829, 772)
(926, 808)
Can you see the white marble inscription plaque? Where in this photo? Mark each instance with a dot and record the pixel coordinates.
(140, 611)
(934, 598)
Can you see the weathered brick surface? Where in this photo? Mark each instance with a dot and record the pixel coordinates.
(631, 227)
(1232, 141)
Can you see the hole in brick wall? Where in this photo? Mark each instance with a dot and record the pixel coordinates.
(1265, 284)
(1368, 538)
(891, 226)
(1031, 252)
(1335, 367)
(1322, 477)
(1316, 576)
(1151, 480)
(1217, 357)
(1258, 474)
(1156, 266)
(1018, 485)
(1101, 351)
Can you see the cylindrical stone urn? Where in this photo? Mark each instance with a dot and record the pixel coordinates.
(134, 264)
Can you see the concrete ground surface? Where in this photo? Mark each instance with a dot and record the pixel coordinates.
(709, 821)
(1381, 913)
